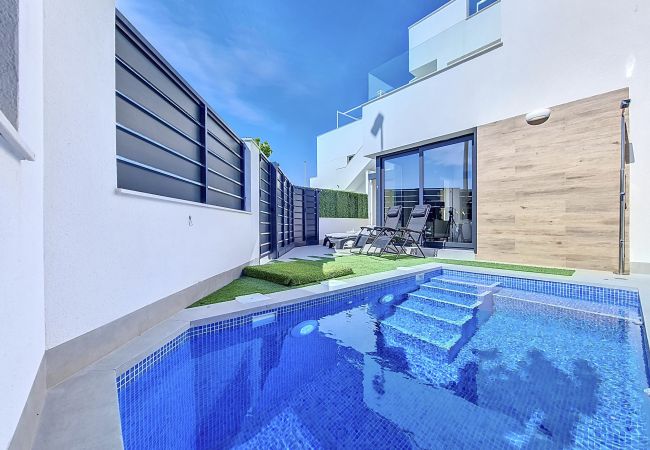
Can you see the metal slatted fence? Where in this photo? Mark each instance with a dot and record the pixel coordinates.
(284, 212)
(169, 141)
(267, 209)
(288, 213)
(306, 215)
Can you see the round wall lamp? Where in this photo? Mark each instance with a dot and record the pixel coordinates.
(538, 117)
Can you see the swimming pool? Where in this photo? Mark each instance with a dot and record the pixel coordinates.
(448, 359)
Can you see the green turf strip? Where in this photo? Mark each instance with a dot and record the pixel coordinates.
(280, 276)
(297, 273)
(503, 266)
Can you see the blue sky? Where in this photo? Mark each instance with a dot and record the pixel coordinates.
(278, 69)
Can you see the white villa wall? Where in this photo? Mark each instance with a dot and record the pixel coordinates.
(109, 254)
(327, 225)
(332, 159)
(22, 326)
(553, 52)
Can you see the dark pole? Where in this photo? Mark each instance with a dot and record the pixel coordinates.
(622, 198)
(465, 165)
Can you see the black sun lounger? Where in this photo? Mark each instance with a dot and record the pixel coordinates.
(368, 234)
(396, 240)
(339, 240)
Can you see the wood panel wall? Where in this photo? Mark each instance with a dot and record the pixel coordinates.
(549, 194)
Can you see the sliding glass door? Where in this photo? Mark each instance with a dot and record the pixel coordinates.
(441, 175)
(447, 186)
(401, 185)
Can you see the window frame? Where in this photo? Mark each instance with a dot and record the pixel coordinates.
(419, 150)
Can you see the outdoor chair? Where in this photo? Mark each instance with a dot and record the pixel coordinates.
(339, 240)
(396, 241)
(369, 234)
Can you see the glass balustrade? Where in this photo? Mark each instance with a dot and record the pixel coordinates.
(478, 29)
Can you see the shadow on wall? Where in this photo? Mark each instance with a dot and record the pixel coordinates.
(378, 128)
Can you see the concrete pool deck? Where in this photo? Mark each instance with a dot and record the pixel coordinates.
(311, 252)
(82, 411)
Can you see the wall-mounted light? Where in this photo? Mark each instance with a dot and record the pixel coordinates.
(538, 117)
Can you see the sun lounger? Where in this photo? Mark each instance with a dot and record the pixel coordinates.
(368, 234)
(396, 240)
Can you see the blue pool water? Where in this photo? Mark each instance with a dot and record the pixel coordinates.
(456, 360)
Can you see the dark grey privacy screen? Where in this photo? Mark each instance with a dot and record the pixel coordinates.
(169, 141)
(288, 213)
(276, 211)
(306, 215)
(283, 212)
(267, 200)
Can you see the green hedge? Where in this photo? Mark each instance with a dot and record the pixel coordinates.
(343, 204)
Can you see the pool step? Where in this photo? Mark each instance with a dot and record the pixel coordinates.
(449, 319)
(421, 336)
(424, 365)
(431, 290)
(424, 296)
(556, 303)
(463, 286)
(438, 319)
(286, 430)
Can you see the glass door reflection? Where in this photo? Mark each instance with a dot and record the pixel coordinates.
(401, 183)
(441, 175)
(448, 188)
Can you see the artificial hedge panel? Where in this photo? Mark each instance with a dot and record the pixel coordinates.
(297, 273)
(343, 204)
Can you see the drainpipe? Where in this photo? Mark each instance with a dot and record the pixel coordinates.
(622, 198)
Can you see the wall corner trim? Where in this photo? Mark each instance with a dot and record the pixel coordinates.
(15, 144)
(28, 423)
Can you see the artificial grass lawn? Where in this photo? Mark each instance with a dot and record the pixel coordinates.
(352, 266)
(503, 266)
(288, 274)
(241, 286)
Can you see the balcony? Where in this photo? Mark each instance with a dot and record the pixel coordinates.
(451, 35)
(443, 39)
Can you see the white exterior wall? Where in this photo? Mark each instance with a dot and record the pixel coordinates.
(553, 52)
(108, 254)
(331, 161)
(327, 225)
(22, 326)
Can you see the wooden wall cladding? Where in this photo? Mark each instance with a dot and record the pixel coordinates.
(549, 194)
